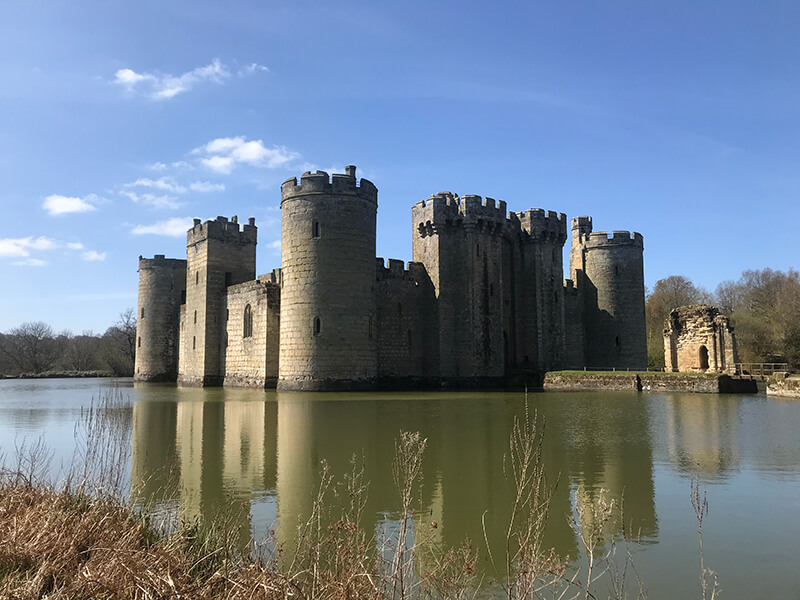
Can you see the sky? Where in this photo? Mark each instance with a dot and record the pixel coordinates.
(122, 121)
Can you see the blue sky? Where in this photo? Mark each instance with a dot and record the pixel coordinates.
(119, 122)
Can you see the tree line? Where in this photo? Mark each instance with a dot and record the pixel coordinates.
(34, 348)
(764, 307)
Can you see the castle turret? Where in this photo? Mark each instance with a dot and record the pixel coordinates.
(220, 254)
(162, 290)
(328, 317)
(609, 273)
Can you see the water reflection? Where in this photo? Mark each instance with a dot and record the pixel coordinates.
(214, 451)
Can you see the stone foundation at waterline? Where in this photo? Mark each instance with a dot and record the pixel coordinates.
(649, 382)
(482, 303)
(782, 384)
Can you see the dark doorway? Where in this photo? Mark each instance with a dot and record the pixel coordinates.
(703, 358)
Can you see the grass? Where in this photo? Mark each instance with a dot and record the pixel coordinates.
(84, 540)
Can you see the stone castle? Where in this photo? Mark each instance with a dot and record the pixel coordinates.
(484, 301)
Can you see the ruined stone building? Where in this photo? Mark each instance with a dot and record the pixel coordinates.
(698, 339)
(482, 303)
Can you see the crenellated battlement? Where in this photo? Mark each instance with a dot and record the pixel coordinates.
(223, 229)
(345, 184)
(397, 269)
(545, 226)
(161, 261)
(446, 206)
(600, 239)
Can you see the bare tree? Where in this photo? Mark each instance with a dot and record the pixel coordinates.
(31, 347)
(119, 343)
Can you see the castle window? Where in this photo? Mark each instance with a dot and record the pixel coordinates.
(142, 312)
(317, 326)
(196, 277)
(616, 270)
(247, 328)
(195, 316)
(194, 342)
(616, 341)
(315, 229)
(139, 343)
(477, 250)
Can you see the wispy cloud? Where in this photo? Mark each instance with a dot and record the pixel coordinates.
(154, 200)
(57, 204)
(275, 246)
(206, 186)
(171, 227)
(22, 249)
(29, 262)
(163, 86)
(166, 184)
(162, 166)
(92, 256)
(223, 155)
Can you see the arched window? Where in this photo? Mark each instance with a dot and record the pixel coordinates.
(247, 326)
(317, 326)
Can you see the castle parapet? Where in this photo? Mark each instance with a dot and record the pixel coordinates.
(543, 225)
(446, 208)
(159, 260)
(320, 182)
(222, 229)
(272, 277)
(397, 269)
(600, 239)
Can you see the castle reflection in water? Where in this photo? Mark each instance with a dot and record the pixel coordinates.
(259, 460)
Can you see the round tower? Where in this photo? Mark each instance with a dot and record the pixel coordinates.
(162, 290)
(614, 289)
(328, 322)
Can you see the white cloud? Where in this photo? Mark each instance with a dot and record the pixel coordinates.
(166, 184)
(276, 245)
(163, 86)
(153, 200)
(171, 227)
(222, 155)
(92, 255)
(22, 247)
(75, 246)
(62, 205)
(206, 186)
(252, 68)
(178, 164)
(30, 262)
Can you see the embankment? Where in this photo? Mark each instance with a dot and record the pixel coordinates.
(647, 381)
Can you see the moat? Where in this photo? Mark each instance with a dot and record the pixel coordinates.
(198, 451)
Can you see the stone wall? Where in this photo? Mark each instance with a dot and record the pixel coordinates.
(328, 319)
(555, 381)
(784, 385)
(162, 288)
(250, 350)
(404, 303)
(697, 338)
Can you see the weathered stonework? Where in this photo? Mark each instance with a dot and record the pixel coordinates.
(698, 339)
(483, 302)
(783, 385)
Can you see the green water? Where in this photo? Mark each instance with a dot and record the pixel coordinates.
(256, 455)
